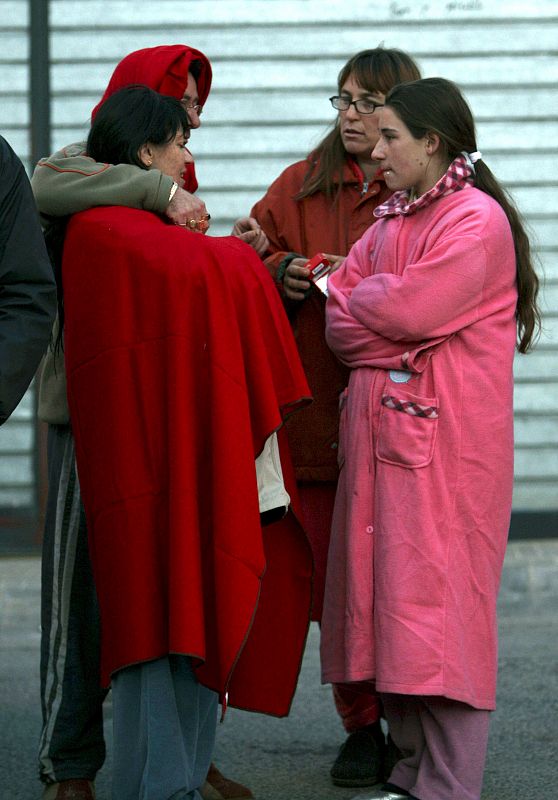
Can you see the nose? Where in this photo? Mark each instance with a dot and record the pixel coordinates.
(351, 112)
(377, 153)
(188, 157)
(193, 118)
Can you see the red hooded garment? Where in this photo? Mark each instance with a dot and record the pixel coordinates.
(164, 69)
(180, 362)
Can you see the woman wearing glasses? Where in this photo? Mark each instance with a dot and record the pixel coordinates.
(72, 748)
(324, 204)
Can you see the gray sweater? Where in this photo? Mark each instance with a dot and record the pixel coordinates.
(66, 183)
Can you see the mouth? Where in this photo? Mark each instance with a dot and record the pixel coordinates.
(352, 133)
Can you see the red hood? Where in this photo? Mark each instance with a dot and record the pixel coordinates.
(164, 69)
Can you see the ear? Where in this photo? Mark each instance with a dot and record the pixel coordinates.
(145, 154)
(432, 143)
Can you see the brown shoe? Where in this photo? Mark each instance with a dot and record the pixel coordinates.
(70, 790)
(217, 787)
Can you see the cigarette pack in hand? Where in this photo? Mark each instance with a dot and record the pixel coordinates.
(320, 268)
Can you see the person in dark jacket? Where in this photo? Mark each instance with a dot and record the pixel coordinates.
(27, 287)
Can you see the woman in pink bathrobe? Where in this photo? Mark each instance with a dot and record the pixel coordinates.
(426, 310)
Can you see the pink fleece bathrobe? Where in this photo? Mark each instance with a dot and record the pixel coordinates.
(423, 311)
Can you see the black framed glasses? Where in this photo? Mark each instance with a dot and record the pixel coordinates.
(363, 106)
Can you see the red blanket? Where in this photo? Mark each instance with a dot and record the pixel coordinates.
(180, 362)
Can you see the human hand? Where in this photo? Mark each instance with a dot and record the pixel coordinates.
(244, 225)
(185, 207)
(295, 284)
(335, 261)
(248, 230)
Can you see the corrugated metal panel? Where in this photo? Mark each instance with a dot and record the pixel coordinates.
(275, 63)
(17, 458)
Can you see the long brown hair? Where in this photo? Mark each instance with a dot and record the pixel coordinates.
(375, 70)
(437, 105)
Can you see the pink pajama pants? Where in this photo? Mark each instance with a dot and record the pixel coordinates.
(443, 744)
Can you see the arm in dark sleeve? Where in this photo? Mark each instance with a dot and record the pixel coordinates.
(278, 213)
(27, 287)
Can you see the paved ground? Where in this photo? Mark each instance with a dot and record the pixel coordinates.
(290, 758)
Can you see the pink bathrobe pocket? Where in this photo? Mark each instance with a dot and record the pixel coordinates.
(407, 428)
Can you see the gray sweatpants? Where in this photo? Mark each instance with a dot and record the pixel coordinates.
(71, 743)
(164, 731)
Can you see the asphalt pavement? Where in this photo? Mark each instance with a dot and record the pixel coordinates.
(290, 758)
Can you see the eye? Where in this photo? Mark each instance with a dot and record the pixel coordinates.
(368, 106)
(188, 106)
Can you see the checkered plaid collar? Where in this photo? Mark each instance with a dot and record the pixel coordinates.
(458, 175)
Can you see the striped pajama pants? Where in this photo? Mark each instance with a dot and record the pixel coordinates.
(72, 743)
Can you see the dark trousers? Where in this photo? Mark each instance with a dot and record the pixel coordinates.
(72, 743)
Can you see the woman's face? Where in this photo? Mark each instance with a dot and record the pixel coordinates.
(406, 162)
(191, 102)
(359, 132)
(171, 157)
